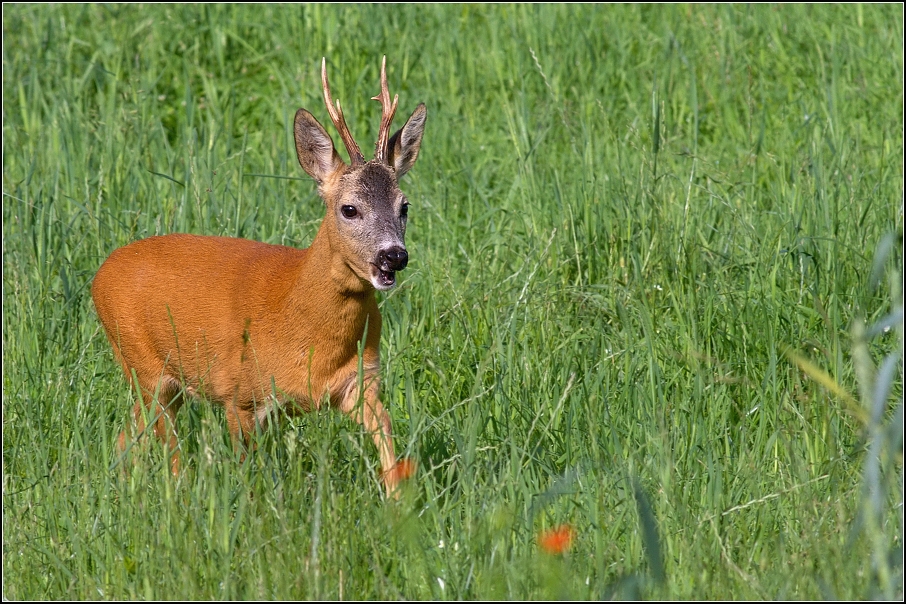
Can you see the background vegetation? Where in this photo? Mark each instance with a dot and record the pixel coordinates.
(656, 255)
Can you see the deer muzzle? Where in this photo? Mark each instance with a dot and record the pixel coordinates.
(388, 262)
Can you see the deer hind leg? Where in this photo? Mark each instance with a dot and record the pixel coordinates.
(160, 400)
(241, 423)
(371, 414)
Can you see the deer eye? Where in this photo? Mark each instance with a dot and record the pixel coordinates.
(349, 211)
(404, 211)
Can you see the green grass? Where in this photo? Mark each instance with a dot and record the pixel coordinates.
(623, 218)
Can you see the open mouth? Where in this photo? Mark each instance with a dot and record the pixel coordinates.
(382, 279)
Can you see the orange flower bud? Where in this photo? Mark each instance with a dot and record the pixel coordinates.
(405, 468)
(558, 540)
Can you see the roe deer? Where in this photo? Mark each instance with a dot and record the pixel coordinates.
(250, 325)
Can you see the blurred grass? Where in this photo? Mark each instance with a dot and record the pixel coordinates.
(621, 218)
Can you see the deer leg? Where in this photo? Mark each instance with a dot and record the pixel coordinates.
(375, 419)
(161, 411)
(241, 423)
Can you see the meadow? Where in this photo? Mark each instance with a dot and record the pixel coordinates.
(654, 296)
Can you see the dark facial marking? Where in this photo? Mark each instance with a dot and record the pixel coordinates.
(376, 184)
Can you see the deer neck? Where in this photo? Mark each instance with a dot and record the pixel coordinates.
(327, 265)
(328, 288)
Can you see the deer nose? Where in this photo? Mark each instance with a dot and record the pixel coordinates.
(394, 259)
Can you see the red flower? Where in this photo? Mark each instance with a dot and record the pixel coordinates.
(558, 540)
(405, 468)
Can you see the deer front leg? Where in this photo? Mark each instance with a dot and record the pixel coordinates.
(364, 407)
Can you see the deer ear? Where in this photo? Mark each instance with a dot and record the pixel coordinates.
(404, 145)
(314, 147)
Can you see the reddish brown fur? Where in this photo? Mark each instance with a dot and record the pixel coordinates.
(232, 319)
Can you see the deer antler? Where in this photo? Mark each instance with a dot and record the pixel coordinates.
(336, 115)
(387, 112)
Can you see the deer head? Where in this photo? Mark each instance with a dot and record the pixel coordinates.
(366, 211)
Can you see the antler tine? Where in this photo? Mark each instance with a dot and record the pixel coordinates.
(387, 112)
(336, 116)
